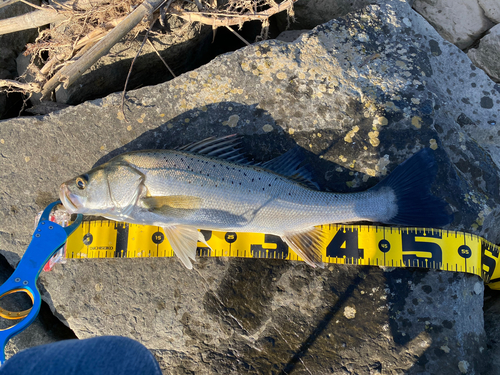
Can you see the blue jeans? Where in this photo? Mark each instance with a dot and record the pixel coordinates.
(108, 355)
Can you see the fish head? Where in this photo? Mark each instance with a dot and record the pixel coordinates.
(87, 193)
(111, 190)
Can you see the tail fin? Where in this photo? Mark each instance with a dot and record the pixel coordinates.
(411, 182)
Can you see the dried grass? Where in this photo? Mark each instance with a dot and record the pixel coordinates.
(81, 27)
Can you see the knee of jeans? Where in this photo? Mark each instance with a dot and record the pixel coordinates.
(124, 343)
(129, 347)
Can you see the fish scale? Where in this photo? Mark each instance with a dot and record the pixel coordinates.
(263, 200)
(216, 189)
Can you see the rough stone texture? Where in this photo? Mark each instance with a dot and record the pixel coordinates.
(262, 317)
(461, 22)
(290, 35)
(491, 9)
(311, 13)
(361, 93)
(491, 321)
(487, 55)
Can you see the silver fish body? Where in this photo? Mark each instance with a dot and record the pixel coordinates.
(182, 192)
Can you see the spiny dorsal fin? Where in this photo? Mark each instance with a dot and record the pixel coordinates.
(289, 165)
(222, 148)
(306, 243)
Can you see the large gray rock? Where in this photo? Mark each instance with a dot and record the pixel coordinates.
(262, 316)
(491, 9)
(461, 22)
(311, 13)
(491, 313)
(487, 55)
(361, 93)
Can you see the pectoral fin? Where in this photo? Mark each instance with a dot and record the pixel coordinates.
(306, 243)
(172, 205)
(183, 240)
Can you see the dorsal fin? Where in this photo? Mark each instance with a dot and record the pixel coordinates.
(223, 148)
(289, 165)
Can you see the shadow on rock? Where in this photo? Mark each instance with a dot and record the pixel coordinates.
(225, 118)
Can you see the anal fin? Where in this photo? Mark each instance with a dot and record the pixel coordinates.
(306, 243)
(184, 239)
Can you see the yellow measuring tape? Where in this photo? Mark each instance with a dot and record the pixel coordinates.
(365, 245)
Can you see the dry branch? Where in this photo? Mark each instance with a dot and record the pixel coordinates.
(27, 87)
(45, 15)
(161, 58)
(218, 19)
(238, 36)
(31, 20)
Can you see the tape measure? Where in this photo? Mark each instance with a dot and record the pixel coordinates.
(365, 245)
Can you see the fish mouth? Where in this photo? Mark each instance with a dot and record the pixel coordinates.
(69, 200)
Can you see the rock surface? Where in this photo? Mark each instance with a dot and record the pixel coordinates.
(487, 54)
(491, 313)
(264, 317)
(312, 13)
(491, 9)
(460, 22)
(361, 93)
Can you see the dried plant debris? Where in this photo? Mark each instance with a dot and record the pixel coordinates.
(82, 31)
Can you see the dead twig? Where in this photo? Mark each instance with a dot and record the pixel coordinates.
(20, 86)
(218, 19)
(97, 34)
(161, 58)
(31, 20)
(32, 5)
(238, 35)
(130, 71)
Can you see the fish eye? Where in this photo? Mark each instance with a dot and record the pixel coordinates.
(81, 182)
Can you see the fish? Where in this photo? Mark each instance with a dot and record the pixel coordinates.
(210, 185)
